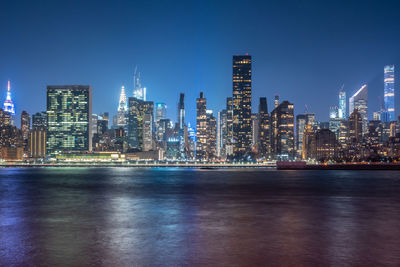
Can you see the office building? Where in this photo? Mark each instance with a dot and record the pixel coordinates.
(388, 96)
(140, 121)
(282, 131)
(139, 92)
(122, 109)
(202, 129)
(37, 142)
(264, 126)
(25, 124)
(242, 138)
(359, 101)
(69, 111)
(39, 120)
(342, 111)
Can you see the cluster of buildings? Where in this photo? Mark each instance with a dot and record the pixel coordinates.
(141, 131)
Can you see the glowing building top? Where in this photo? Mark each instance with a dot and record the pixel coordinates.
(8, 103)
(122, 106)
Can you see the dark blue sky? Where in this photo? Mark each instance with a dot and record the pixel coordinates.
(302, 50)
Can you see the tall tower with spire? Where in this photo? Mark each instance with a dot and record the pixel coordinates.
(122, 108)
(8, 105)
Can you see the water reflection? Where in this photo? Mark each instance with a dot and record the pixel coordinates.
(126, 216)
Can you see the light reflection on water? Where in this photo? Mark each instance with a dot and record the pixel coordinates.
(171, 216)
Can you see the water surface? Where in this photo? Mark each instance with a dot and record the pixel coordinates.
(178, 217)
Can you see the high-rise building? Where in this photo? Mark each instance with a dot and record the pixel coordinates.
(140, 121)
(39, 120)
(25, 124)
(355, 133)
(211, 135)
(282, 131)
(37, 142)
(359, 101)
(229, 127)
(333, 112)
(122, 109)
(139, 92)
(69, 124)
(160, 112)
(342, 111)
(301, 122)
(255, 123)
(8, 105)
(264, 132)
(389, 93)
(276, 101)
(181, 124)
(181, 111)
(241, 105)
(201, 125)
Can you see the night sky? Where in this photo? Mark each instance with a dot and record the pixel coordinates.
(302, 50)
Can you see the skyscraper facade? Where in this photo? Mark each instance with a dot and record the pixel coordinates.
(388, 96)
(282, 131)
(160, 112)
(69, 111)
(122, 108)
(25, 124)
(140, 121)
(201, 125)
(342, 111)
(359, 101)
(229, 127)
(8, 105)
(264, 132)
(139, 91)
(181, 125)
(242, 134)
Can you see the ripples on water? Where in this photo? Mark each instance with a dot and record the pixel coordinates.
(170, 217)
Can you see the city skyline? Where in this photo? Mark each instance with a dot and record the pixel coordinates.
(203, 62)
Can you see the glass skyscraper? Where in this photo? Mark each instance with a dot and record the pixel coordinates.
(389, 93)
(69, 111)
(359, 101)
(242, 133)
(342, 112)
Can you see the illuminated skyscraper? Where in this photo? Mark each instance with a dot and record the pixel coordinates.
(9, 104)
(264, 132)
(211, 135)
(161, 112)
(140, 123)
(181, 124)
(25, 124)
(229, 127)
(276, 101)
(241, 105)
(359, 101)
(201, 125)
(389, 93)
(282, 131)
(301, 123)
(139, 92)
(122, 108)
(342, 112)
(69, 113)
(39, 120)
